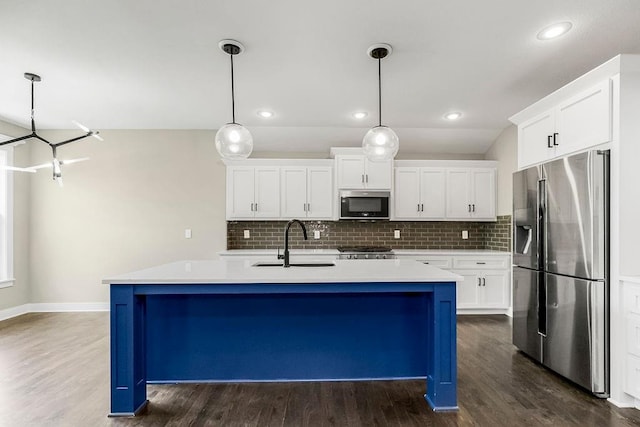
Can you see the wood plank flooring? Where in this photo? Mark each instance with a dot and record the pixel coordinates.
(54, 371)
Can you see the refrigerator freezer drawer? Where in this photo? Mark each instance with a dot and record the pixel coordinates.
(575, 345)
(526, 323)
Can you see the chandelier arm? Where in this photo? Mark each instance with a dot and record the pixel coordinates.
(42, 139)
(72, 140)
(33, 135)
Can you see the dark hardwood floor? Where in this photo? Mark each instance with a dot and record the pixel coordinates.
(54, 371)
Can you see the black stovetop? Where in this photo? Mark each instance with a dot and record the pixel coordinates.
(364, 249)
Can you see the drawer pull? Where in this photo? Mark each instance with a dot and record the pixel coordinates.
(481, 263)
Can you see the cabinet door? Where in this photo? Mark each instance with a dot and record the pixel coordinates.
(378, 175)
(585, 120)
(407, 193)
(467, 291)
(320, 192)
(483, 202)
(293, 194)
(458, 203)
(432, 193)
(240, 192)
(350, 172)
(533, 139)
(495, 289)
(267, 192)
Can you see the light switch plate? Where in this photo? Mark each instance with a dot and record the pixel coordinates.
(187, 233)
(316, 234)
(465, 234)
(396, 234)
(247, 234)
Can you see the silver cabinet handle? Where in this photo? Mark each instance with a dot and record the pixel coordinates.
(422, 207)
(304, 207)
(308, 207)
(549, 145)
(251, 207)
(362, 178)
(256, 207)
(555, 136)
(418, 207)
(469, 208)
(473, 208)
(366, 178)
(479, 281)
(484, 281)
(480, 262)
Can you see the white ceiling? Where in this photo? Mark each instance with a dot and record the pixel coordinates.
(146, 64)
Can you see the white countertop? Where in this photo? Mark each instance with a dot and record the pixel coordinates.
(448, 252)
(272, 252)
(243, 271)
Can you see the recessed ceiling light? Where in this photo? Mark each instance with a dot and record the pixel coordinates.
(453, 116)
(266, 114)
(554, 30)
(360, 115)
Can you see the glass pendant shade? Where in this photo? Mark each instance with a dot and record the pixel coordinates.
(234, 142)
(380, 143)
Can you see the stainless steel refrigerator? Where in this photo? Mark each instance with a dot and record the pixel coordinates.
(561, 267)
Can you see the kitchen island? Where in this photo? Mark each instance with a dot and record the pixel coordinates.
(230, 321)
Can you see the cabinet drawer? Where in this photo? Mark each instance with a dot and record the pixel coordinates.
(481, 262)
(632, 377)
(631, 298)
(436, 261)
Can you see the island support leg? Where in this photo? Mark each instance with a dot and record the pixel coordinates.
(442, 376)
(128, 376)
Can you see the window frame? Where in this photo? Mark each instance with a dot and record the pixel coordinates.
(6, 236)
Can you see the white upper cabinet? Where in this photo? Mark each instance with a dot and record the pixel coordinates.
(585, 120)
(307, 192)
(419, 193)
(577, 123)
(471, 194)
(253, 192)
(358, 172)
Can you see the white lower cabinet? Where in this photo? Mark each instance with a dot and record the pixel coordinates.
(631, 297)
(486, 288)
(483, 289)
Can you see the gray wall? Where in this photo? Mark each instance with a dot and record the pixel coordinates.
(505, 151)
(124, 209)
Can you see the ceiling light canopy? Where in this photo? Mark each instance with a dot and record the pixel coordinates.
(233, 141)
(554, 30)
(380, 143)
(360, 115)
(454, 115)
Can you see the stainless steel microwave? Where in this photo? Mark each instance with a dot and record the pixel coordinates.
(363, 204)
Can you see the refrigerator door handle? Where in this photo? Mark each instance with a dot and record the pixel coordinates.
(542, 306)
(596, 313)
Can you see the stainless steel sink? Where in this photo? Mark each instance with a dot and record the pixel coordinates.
(294, 264)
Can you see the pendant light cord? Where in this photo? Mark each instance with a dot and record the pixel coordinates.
(379, 94)
(33, 122)
(233, 98)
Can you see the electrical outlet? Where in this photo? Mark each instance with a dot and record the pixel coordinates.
(465, 234)
(316, 234)
(247, 234)
(396, 234)
(187, 233)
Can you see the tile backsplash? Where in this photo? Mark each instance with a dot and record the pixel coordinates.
(413, 234)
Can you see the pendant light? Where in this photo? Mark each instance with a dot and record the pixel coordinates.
(380, 143)
(233, 141)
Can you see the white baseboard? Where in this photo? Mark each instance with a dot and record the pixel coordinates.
(463, 311)
(52, 307)
(19, 310)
